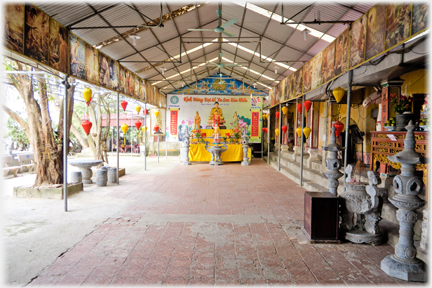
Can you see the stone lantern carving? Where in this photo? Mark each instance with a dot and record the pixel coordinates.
(245, 146)
(184, 150)
(404, 264)
(333, 164)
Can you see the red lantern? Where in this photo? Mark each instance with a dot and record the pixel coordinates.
(263, 129)
(124, 104)
(145, 111)
(284, 128)
(277, 114)
(88, 103)
(339, 127)
(227, 135)
(299, 108)
(307, 105)
(138, 124)
(156, 128)
(87, 126)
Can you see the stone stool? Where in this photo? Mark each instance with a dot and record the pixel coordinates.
(112, 175)
(102, 177)
(76, 177)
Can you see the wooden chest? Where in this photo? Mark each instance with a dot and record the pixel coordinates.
(321, 217)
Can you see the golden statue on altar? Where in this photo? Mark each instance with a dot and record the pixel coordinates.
(197, 121)
(216, 111)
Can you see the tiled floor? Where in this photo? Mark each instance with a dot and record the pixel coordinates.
(205, 225)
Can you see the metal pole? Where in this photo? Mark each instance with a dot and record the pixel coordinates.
(131, 135)
(65, 144)
(268, 138)
(301, 144)
(118, 140)
(350, 75)
(279, 142)
(112, 138)
(158, 149)
(145, 137)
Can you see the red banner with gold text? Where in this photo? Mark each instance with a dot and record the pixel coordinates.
(173, 123)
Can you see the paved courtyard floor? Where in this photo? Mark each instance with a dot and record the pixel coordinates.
(207, 225)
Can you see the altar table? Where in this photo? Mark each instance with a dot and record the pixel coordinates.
(234, 153)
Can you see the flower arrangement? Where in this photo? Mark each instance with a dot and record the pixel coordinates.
(401, 103)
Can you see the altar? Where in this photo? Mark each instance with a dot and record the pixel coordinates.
(234, 153)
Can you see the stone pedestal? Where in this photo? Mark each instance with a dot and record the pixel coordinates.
(76, 177)
(216, 152)
(184, 151)
(313, 156)
(297, 153)
(245, 146)
(112, 175)
(102, 177)
(284, 148)
(333, 164)
(404, 264)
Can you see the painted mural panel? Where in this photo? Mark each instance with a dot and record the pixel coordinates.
(358, 41)
(341, 55)
(298, 81)
(58, 47)
(271, 97)
(14, 27)
(375, 30)
(130, 83)
(307, 76)
(77, 57)
(292, 90)
(420, 17)
(122, 80)
(328, 62)
(143, 90)
(316, 70)
(104, 68)
(277, 93)
(137, 88)
(114, 75)
(286, 84)
(91, 64)
(36, 34)
(398, 23)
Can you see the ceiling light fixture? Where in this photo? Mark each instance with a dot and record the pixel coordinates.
(134, 37)
(305, 32)
(276, 68)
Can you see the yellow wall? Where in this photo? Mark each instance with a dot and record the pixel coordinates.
(415, 82)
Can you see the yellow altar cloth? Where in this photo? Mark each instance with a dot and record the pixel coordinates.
(234, 153)
(222, 132)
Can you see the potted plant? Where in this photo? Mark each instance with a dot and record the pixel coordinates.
(402, 106)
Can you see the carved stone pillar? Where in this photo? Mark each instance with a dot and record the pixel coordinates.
(425, 232)
(245, 146)
(404, 264)
(313, 156)
(184, 150)
(333, 164)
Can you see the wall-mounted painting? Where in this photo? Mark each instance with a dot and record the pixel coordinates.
(328, 62)
(292, 90)
(104, 68)
(36, 34)
(277, 93)
(137, 87)
(130, 83)
(271, 97)
(298, 81)
(142, 95)
(114, 75)
(91, 64)
(307, 76)
(341, 56)
(77, 56)
(398, 24)
(358, 41)
(122, 80)
(149, 92)
(14, 27)
(58, 47)
(316, 70)
(375, 30)
(286, 84)
(420, 17)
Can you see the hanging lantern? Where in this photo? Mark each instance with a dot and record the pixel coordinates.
(299, 108)
(144, 129)
(307, 105)
(138, 108)
(338, 93)
(87, 126)
(339, 127)
(307, 131)
(124, 105)
(299, 131)
(284, 110)
(263, 129)
(156, 128)
(138, 124)
(87, 93)
(277, 131)
(124, 128)
(284, 129)
(156, 113)
(145, 111)
(277, 114)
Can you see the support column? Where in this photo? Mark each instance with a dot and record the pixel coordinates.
(333, 163)
(65, 143)
(145, 137)
(279, 136)
(302, 142)
(118, 144)
(350, 75)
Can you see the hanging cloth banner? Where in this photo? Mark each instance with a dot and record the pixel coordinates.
(255, 123)
(174, 120)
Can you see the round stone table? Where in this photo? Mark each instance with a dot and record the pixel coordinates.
(84, 165)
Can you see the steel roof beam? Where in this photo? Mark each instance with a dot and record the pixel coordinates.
(94, 14)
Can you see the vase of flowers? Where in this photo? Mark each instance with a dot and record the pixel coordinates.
(402, 106)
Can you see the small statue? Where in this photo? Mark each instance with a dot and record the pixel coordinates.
(216, 119)
(216, 109)
(216, 134)
(235, 121)
(197, 121)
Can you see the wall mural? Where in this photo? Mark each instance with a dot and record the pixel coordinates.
(307, 76)
(375, 30)
(219, 85)
(420, 17)
(298, 81)
(328, 62)
(77, 57)
(316, 70)
(14, 28)
(58, 47)
(291, 87)
(104, 77)
(341, 54)
(114, 75)
(36, 34)
(398, 24)
(358, 41)
(91, 64)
